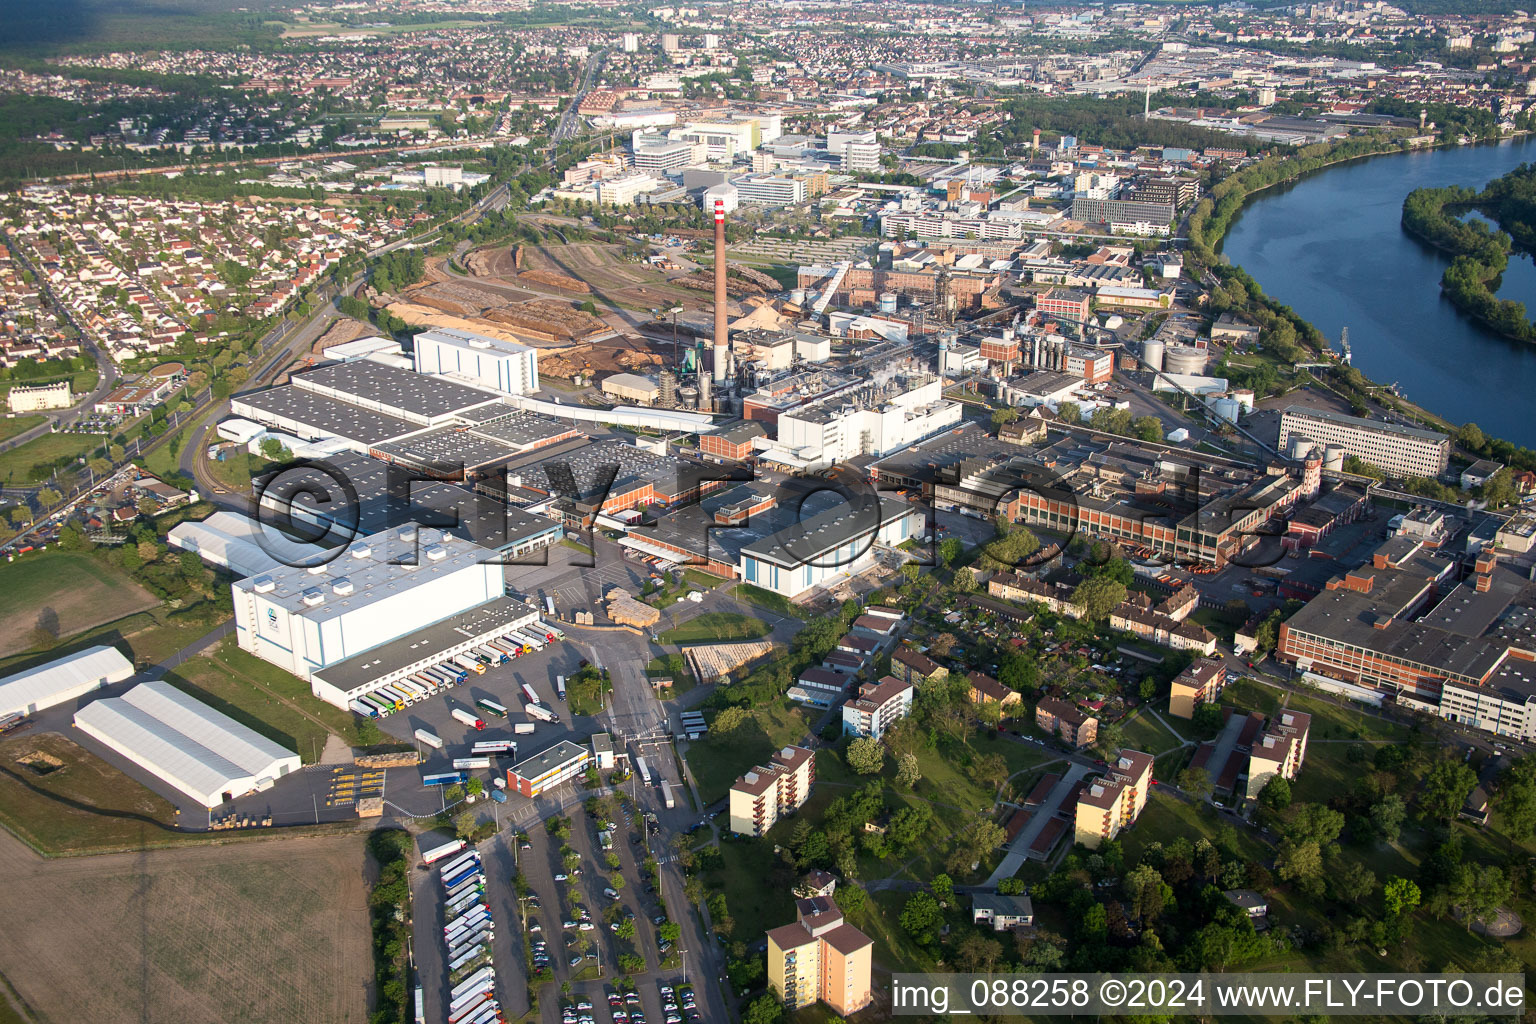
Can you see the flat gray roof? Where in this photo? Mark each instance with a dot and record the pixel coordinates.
(325, 415)
(548, 760)
(807, 540)
(392, 389)
(1355, 421)
(426, 642)
(470, 515)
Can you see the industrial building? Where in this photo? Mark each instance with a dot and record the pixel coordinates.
(304, 619)
(1394, 447)
(502, 366)
(830, 546)
(362, 402)
(548, 768)
(352, 495)
(202, 752)
(61, 680)
(869, 419)
(427, 644)
(242, 546)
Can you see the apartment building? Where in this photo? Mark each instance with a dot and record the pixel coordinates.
(1399, 449)
(1066, 721)
(913, 667)
(986, 690)
(1114, 801)
(1281, 750)
(877, 707)
(820, 957)
(1200, 683)
(763, 795)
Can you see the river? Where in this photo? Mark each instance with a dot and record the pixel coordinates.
(1332, 247)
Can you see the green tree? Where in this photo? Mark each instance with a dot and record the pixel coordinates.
(1387, 817)
(1002, 417)
(950, 549)
(765, 1009)
(1098, 596)
(1400, 895)
(1148, 428)
(921, 918)
(728, 720)
(908, 773)
(1276, 794)
(866, 756)
(1447, 785)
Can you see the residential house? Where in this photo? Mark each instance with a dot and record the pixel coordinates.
(1066, 721)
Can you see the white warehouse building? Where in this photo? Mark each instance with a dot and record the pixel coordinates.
(229, 540)
(377, 590)
(504, 366)
(833, 545)
(62, 679)
(202, 752)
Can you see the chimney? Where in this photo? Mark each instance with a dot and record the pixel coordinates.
(722, 342)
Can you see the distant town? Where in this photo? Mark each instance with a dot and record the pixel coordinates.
(815, 470)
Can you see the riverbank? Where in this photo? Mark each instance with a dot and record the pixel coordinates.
(1333, 244)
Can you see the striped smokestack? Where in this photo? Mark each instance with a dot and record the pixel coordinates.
(722, 342)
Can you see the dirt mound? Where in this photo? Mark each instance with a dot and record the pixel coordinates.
(550, 319)
(550, 279)
(341, 332)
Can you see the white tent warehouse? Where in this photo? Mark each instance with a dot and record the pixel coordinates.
(63, 679)
(229, 540)
(200, 751)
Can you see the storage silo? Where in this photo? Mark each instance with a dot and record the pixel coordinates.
(887, 302)
(1152, 355)
(1333, 458)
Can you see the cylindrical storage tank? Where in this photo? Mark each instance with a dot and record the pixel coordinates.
(797, 296)
(1183, 359)
(1228, 408)
(1152, 355)
(887, 302)
(1300, 448)
(1333, 458)
(1244, 398)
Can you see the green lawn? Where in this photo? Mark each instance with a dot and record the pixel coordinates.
(718, 761)
(674, 666)
(1250, 696)
(13, 425)
(766, 599)
(1166, 818)
(717, 626)
(210, 680)
(1145, 733)
(1335, 722)
(754, 904)
(880, 919)
(16, 465)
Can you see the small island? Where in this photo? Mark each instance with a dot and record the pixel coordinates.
(1481, 254)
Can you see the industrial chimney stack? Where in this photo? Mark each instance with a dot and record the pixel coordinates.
(722, 341)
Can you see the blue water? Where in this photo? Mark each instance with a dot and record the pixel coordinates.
(1332, 247)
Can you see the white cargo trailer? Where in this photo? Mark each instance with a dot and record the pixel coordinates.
(523, 728)
(429, 738)
(540, 712)
(469, 764)
(437, 853)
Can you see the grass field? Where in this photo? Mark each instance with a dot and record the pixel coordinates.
(16, 464)
(257, 932)
(1165, 818)
(81, 591)
(714, 626)
(82, 804)
(1143, 732)
(13, 425)
(743, 875)
(767, 599)
(718, 761)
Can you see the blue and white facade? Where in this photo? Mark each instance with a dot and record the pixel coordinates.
(378, 589)
(504, 366)
(828, 547)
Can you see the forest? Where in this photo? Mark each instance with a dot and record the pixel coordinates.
(1480, 253)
